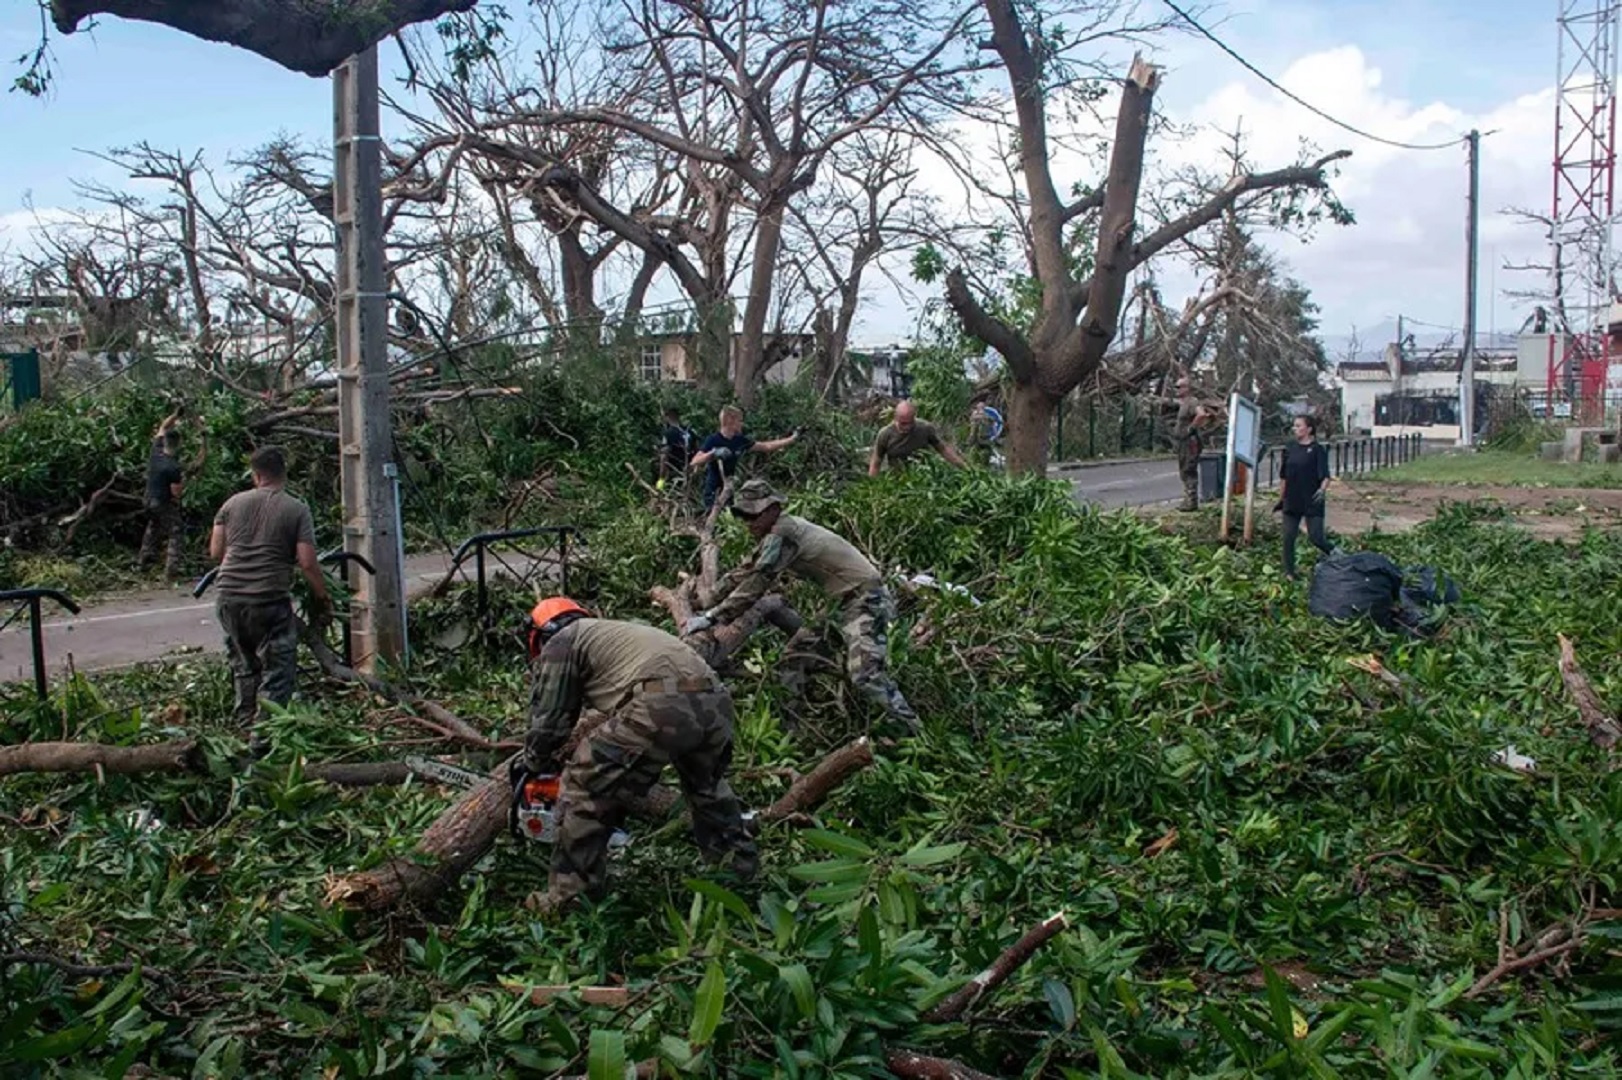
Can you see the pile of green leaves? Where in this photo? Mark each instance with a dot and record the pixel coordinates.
(1274, 863)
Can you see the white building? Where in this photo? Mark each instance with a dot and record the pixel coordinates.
(1417, 390)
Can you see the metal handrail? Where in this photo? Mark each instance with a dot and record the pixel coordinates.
(478, 542)
(36, 627)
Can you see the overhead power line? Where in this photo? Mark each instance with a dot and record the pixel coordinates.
(1270, 81)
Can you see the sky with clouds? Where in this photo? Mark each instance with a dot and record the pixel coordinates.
(1412, 70)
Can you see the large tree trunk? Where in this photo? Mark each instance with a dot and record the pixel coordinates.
(1030, 416)
(752, 342)
(579, 285)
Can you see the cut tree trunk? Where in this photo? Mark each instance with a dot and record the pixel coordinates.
(911, 1066)
(181, 755)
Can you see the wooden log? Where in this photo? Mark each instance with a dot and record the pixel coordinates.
(180, 755)
(612, 996)
(958, 1003)
(1603, 729)
(450, 847)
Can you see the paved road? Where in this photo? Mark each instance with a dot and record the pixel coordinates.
(1129, 483)
(153, 625)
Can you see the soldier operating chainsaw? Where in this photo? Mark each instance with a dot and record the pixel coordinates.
(665, 706)
(794, 545)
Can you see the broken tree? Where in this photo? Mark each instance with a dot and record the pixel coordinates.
(1081, 299)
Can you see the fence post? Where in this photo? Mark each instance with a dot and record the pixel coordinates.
(1059, 421)
(1126, 407)
(1092, 427)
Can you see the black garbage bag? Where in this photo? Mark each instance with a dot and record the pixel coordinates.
(1353, 584)
(1426, 594)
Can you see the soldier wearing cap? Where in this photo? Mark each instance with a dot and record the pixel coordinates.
(665, 706)
(790, 544)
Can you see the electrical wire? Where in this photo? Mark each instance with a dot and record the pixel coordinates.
(1264, 77)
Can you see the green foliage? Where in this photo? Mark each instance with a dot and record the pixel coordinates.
(1508, 467)
(1151, 735)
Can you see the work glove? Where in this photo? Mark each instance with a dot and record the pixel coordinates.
(1318, 497)
(1278, 507)
(518, 774)
(320, 613)
(696, 625)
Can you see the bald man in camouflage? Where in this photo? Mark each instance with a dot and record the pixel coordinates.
(665, 706)
(790, 544)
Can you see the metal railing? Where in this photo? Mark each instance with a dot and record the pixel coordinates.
(488, 544)
(336, 557)
(36, 625)
(1348, 457)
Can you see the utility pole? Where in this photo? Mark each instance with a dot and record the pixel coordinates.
(365, 441)
(1472, 244)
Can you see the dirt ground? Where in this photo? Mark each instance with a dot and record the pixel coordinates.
(1357, 506)
(1360, 506)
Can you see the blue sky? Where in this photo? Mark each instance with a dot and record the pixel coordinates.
(1480, 61)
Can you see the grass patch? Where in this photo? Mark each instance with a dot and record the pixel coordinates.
(1504, 467)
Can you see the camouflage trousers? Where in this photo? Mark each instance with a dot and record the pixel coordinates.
(1188, 468)
(162, 530)
(864, 622)
(261, 643)
(623, 759)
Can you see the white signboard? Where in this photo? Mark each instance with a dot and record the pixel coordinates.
(1244, 430)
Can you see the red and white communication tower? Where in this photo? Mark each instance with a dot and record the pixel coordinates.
(1584, 190)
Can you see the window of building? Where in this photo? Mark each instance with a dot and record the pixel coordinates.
(653, 363)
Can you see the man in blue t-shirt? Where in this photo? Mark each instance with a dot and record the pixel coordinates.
(719, 455)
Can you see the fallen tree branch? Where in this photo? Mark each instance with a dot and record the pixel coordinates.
(81, 515)
(911, 1066)
(814, 786)
(958, 1003)
(1602, 728)
(468, 829)
(613, 996)
(75, 969)
(441, 719)
(180, 755)
(1552, 942)
(450, 847)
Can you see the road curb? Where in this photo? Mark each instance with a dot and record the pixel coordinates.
(1103, 463)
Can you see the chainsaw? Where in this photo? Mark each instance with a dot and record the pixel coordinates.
(534, 811)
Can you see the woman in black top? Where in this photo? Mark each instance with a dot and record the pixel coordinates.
(1301, 490)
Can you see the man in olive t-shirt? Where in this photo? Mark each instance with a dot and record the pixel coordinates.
(259, 536)
(906, 436)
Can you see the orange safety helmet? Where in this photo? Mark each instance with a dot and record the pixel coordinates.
(544, 614)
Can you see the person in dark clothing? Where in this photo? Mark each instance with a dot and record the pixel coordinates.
(164, 481)
(721, 452)
(678, 448)
(1302, 482)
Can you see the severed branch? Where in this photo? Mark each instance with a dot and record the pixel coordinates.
(78, 970)
(180, 755)
(360, 773)
(1602, 728)
(439, 718)
(814, 786)
(958, 1003)
(1552, 942)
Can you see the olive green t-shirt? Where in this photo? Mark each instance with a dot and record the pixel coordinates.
(616, 656)
(263, 529)
(895, 446)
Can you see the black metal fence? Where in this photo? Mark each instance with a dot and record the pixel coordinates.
(533, 559)
(1348, 457)
(29, 600)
